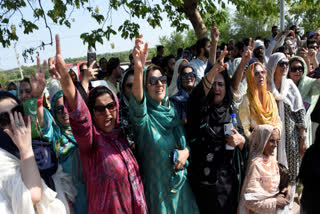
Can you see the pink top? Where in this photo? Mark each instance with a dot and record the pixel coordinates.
(110, 170)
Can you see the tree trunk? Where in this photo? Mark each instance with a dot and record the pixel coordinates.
(192, 12)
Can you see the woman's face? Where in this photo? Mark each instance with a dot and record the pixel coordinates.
(61, 113)
(105, 112)
(281, 69)
(259, 76)
(155, 87)
(219, 89)
(6, 105)
(25, 91)
(188, 78)
(272, 143)
(73, 76)
(296, 71)
(128, 86)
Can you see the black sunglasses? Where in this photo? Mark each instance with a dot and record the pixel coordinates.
(155, 80)
(295, 69)
(101, 108)
(283, 63)
(27, 91)
(188, 75)
(59, 109)
(4, 116)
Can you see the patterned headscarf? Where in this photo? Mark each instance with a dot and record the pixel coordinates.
(267, 111)
(66, 141)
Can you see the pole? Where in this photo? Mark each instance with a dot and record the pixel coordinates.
(281, 15)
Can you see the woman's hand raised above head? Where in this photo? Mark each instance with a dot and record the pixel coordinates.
(38, 81)
(57, 67)
(140, 55)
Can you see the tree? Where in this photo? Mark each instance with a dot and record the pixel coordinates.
(200, 13)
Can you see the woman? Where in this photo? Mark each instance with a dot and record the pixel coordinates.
(260, 191)
(217, 158)
(292, 113)
(23, 161)
(172, 88)
(125, 88)
(309, 89)
(109, 167)
(309, 176)
(161, 145)
(185, 84)
(258, 105)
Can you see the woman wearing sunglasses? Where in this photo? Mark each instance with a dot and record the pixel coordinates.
(109, 167)
(161, 145)
(25, 170)
(292, 114)
(185, 84)
(309, 89)
(258, 106)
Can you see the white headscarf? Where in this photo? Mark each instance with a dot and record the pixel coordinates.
(289, 94)
(172, 88)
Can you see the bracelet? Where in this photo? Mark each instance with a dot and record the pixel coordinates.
(40, 102)
(302, 137)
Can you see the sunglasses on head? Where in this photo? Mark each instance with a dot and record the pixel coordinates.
(155, 80)
(59, 109)
(101, 108)
(4, 116)
(188, 75)
(297, 68)
(257, 73)
(283, 63)
(313, 47)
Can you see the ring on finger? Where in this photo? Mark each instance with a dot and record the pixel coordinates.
(18, 124)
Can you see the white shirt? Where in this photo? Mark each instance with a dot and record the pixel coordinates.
(199, 67)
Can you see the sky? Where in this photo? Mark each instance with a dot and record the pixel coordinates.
(71, 44)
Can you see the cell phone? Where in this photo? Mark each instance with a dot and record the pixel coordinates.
(227, 129)
(91, 57)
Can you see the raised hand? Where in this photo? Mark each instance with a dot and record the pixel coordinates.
(247, 53)
(20, 133)
(57, 67)
(38, 81)
(220, 66)
(140, 55)
(214, 34)
(92, 72)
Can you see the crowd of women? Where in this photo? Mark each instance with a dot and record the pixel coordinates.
(234, 142)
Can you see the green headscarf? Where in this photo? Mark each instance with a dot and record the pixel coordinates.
(166, 118)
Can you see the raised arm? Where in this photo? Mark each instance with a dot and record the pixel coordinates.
(219, 66)
(139, 57)
(59, 71)
(89, 75)
(214, 41)
(246, 56)
(38, 83)
(21, 137)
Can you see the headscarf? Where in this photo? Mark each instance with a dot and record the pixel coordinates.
(75, 70)
(288, 94)
(172, 88)
(122, 86)
(259, 139)
(65, 142)
(118, 140)
(165, 119)
(267, 111)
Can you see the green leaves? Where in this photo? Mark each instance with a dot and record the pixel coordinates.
(28, 26)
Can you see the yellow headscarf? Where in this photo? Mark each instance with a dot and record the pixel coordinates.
(267, 111)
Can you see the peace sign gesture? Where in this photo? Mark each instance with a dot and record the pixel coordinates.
(220, 66)
(247, 53)
(57, 66)
(38, 81)
(140, 55)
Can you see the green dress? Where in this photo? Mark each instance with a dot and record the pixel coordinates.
(159, 132)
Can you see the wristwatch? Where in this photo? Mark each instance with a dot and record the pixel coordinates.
(302, 137)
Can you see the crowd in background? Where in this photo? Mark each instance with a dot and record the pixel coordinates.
(216, 129)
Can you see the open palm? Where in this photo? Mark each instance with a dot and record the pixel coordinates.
(38, 81)
(140, 55)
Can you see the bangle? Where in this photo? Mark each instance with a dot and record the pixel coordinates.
(205, 84)
(40, 102)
